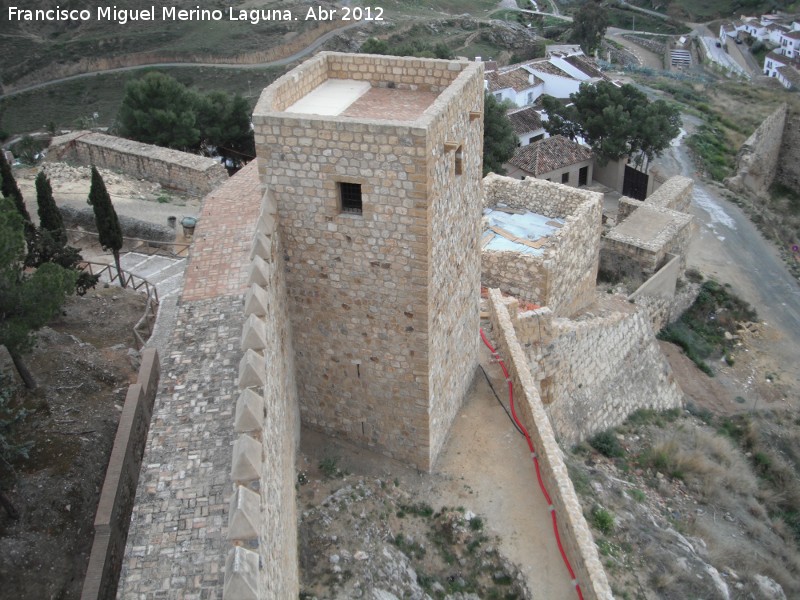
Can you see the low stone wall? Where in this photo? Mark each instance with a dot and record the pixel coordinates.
(595, 370)
(83, 218)
(180, 171)
(675, 194)
(575, 534)
(563, 277)
(119, 487)
(656, 294)
(647, 232)
(262, 520)
(758, 158)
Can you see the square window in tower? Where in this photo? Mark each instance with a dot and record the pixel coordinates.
(350, 197)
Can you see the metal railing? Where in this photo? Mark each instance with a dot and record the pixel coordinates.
(144, 326)
(131, 244)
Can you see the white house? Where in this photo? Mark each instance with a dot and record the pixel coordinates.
(784, 69)
(790, 44)
(514, 83)
(527, 124)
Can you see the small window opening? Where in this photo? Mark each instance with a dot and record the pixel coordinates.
(565, 177)
(459, 161)
(350, 197)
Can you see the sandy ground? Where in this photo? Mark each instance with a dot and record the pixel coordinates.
(132, 197)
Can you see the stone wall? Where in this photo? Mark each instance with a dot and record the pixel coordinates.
(119, 486)
(675, 194)
(262, 520)
(180, 171)
(454, 206)
(563, 277)
(372, 336)
(647, 232)
(758, 158)
(594, 370)
(658, 293)
(789, 166)
(575, 534)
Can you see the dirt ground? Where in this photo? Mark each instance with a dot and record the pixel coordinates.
(83, 362)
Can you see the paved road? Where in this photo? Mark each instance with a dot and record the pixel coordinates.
(730, 248)
(275, 63)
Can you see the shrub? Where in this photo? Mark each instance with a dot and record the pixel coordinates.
(607, 444)
(602, 520)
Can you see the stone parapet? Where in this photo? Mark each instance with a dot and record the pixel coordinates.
(180, 171)
(575, 534)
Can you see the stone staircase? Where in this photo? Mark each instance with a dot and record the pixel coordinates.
(166, 274)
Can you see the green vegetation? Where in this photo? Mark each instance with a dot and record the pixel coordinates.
(617, 122)
(607, 444)
(330, 467)
(160, 110)
(499, 139)
(602, 520)
(29, 299)
(589, 24)
(701, 330)
(626, 18)
(414, 47)
(713, 149)
(106, 220)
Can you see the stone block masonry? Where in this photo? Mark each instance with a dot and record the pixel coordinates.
(383, 295)
(575, 534)
(180, 535)
(596, 369)
(758, 159)
(175, 170)
(563, 277)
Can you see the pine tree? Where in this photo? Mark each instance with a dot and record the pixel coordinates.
(499, 139)
(28, 299)
(105, 217)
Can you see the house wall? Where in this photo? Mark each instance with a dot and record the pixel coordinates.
(361, 286)
(611, 175)
(574, 174)
(757, 160)
(563, 277)
(557, 86)
(180, 171)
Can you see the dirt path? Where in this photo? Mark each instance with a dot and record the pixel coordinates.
(485, 468)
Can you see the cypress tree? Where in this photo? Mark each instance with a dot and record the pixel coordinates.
(105, 217)
(50, 219)
(9, 188)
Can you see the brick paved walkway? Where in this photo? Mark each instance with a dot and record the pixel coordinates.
(177, 540)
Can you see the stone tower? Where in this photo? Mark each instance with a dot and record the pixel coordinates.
(373, 167)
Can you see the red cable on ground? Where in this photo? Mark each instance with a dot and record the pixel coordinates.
(535, 462)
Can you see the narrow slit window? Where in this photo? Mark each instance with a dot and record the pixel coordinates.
(459, 161)
(350, 197)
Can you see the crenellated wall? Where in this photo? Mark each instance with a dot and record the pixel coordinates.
(180, 171)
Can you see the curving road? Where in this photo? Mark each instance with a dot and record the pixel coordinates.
(275, 63)
(729, 248)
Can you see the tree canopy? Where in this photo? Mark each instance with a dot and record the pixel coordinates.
(158, 109)
(499, 139)
(28, 300)
(589, 25)
(616, 122)
(406, 48)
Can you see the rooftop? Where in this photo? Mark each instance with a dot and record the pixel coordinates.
(549, 155)
(351, 98)
(518, 79)
(525, 119)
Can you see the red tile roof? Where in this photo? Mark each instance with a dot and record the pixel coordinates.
(549, 155)
(517, 79)
(524, 120)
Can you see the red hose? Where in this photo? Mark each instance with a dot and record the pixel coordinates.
(535, 462)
